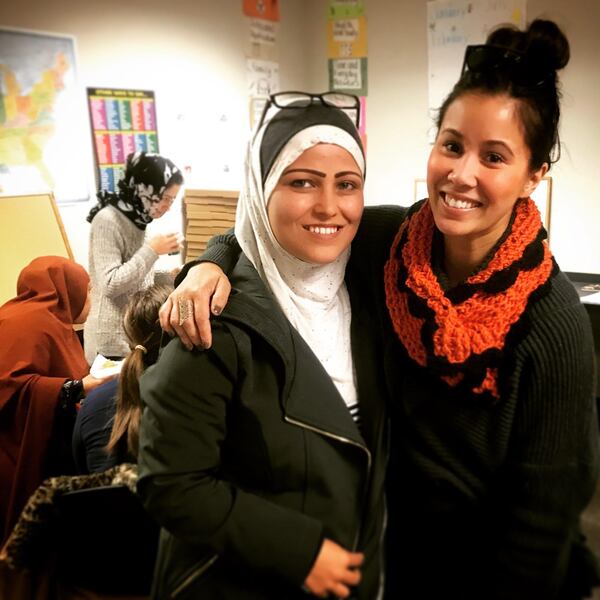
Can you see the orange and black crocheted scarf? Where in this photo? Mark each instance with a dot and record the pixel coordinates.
(460, 335)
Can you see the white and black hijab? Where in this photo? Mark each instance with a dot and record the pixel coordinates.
(146, 177)
(312, 296)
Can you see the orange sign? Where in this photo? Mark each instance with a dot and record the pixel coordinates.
(262, 9)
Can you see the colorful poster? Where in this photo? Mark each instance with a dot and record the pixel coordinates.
(348, 75)
(262, 9)
(347, 38)
(346, 9)
(42, 117)
(123, 121)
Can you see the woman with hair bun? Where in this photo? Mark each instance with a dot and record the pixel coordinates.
(488, 352)
(496, 436)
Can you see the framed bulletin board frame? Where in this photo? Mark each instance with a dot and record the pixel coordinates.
(33, 228)
(542, 196)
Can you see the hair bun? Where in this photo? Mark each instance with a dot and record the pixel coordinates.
(546, 45)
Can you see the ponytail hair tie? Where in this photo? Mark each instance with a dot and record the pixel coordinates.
(140, 347)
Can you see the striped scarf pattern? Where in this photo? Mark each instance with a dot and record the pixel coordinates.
(461, 335)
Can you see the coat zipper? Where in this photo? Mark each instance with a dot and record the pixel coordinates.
(193, 576)
(344, 440)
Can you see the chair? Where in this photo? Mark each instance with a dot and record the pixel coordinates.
(86, 534)
(107, 542)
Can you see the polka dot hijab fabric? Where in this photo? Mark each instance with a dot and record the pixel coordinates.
(313, 296)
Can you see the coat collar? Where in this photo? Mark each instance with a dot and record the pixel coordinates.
(309, 397)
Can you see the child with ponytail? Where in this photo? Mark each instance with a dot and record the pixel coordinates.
(106, 429)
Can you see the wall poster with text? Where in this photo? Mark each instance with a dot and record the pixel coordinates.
(123, 121)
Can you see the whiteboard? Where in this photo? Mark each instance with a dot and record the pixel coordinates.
(31, 227)
(452, 25)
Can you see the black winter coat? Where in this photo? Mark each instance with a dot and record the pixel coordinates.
(249, 457)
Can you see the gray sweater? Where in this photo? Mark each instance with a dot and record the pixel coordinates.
(120, 263)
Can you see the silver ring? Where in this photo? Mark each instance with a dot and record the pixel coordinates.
(185, 310)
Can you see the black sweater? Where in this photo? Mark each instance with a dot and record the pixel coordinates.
(485, 501)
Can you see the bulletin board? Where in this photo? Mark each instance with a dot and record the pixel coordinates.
(32, 227)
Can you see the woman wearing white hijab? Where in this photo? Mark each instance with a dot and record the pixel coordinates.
(261, 458)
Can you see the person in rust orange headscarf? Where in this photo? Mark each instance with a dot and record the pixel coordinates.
(43, 374)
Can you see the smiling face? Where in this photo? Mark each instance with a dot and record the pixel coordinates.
(316, 206)
(478, 168)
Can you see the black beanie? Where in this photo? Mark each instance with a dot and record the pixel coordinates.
(289, 121)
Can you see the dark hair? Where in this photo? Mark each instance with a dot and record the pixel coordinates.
(140, 167)
(289, 121)
(142, 328)
(176, 179)
(544, 49)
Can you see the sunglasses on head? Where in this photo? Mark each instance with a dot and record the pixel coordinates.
(485, 58)
(349, 103)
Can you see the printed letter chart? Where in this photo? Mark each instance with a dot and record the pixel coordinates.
(123, 121)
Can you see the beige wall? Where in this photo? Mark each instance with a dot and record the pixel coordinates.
(192, 54)
(397, 121)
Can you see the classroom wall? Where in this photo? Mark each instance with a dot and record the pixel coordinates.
(398, 123)
(191, 52)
